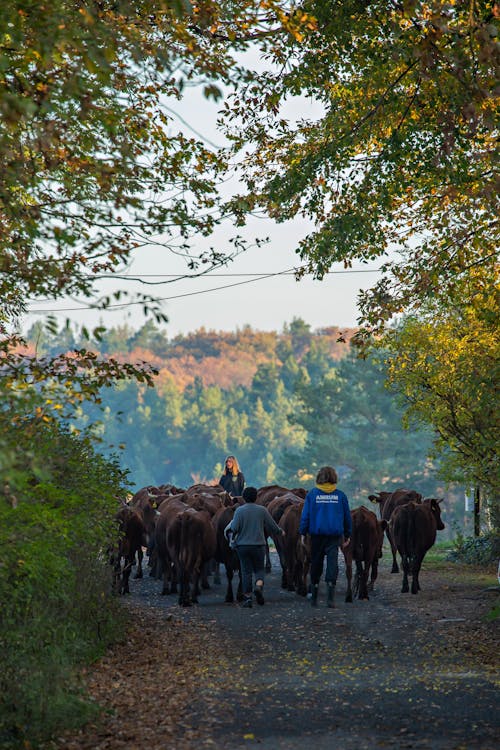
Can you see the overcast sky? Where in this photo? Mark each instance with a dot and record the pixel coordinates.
(238, 294)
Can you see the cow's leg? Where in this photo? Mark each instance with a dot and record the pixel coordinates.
(363, 583)
(348, 573)
(395, 568)
(374, 574)
(167, 576)
(127, 568)
(184, 592)
(415, 586)
(204, 576)
(268, 558)
(217, 580)
(140, 556)
(406, 569)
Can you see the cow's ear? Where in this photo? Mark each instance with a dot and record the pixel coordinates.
(441, 500)
(373, 498)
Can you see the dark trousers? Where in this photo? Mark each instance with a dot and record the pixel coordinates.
(252, 563)
(325, 545)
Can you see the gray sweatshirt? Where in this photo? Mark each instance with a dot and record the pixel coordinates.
(252, 524)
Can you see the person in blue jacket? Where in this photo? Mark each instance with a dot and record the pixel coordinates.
(327, 519)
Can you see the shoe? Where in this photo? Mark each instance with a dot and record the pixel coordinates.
(259, 596)
(247, 604)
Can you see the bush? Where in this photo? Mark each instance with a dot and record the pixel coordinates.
(56, 521)
(482, 550)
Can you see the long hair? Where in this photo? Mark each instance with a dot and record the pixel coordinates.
(236, 466)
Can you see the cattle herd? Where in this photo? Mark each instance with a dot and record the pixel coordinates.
(182, 532)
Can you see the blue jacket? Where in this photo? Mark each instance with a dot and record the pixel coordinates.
(326, 512)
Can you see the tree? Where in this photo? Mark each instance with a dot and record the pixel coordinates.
(90, 168)
(400, 160)
(353, 423)
(445, 368)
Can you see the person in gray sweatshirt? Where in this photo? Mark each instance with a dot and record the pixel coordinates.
(247, 533)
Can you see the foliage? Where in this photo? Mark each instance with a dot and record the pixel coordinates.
(398, 159)
(91, 169)
(444, 367)
(57, 505)
(280, 421)
(354, 424)
(481, 550)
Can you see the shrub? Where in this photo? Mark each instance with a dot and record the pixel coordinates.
(56, 520)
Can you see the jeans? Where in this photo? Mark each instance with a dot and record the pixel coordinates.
(252, 562)
(321, 545)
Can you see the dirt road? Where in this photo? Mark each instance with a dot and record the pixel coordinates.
(398, 671)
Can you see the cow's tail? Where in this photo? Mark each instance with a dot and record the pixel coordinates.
(191, 542)
(410, 538)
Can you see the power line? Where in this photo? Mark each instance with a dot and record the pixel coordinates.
(256, 277)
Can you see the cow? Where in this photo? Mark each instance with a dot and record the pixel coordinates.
(296, 555)
(131, 538)
(164, 564)
(146, 503)
(365, 548)
(277, 508)
(265, 495)
(224, 554)
(387, 502)
(414, 527)
(191, 543)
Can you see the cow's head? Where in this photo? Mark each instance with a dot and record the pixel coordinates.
(436, 510)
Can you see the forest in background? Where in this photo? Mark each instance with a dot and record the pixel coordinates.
(284, 403)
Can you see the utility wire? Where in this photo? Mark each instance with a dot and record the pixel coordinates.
(258, 277)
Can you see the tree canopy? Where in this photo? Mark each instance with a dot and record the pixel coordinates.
(400, 162)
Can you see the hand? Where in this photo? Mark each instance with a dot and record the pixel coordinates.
(346, 542)
(303, 539)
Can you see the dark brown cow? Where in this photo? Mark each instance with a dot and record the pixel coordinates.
(164, 564)
(366, 548)
(224, 554)
(387, 502)
(265, 495)
(269, 492)
(277, 508)
(146, 504)
(191, 543)
(131, 538)
(414, 527)
(297, 556)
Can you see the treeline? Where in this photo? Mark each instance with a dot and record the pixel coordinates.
(283, 402)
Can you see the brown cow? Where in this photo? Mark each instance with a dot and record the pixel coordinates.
(225, 554)
(191, 543)
(265, 495)
(132, 536)
(414, 527)
(277, 508)
(388, 501)
(366, 548)
(164, 564)
(297, 556)
(145, 502)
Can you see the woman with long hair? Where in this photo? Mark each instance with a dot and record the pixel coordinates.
(232, 480)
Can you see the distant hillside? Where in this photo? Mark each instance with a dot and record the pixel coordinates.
(217, 358)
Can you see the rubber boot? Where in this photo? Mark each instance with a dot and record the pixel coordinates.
(314, 595)
(330, 598)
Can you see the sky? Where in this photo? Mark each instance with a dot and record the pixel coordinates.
(253, 290)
